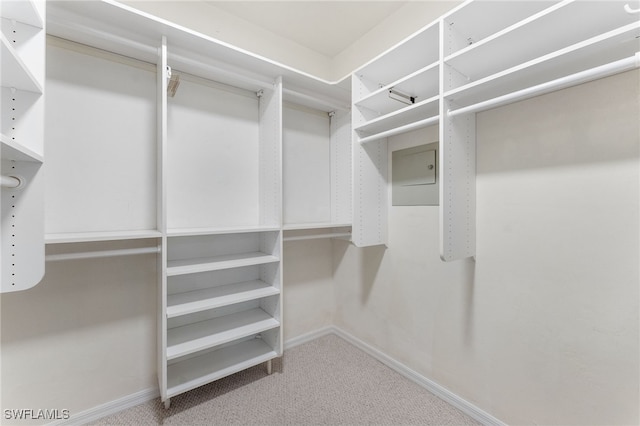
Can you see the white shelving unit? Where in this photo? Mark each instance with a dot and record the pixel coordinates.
(22, 56)
(526, 51)
(223, 291)
(460, 65)
(316, 169)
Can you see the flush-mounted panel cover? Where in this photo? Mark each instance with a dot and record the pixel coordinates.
(414, 176)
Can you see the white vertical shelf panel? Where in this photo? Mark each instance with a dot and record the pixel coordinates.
(161, 214)
(341, 165)
(21, 137)
(22, 227)
(457, 180)
(457, 187)
(101, 141)
(212, 156)
(270, 156)
(306, 166)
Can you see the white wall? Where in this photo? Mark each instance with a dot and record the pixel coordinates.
(84, 336)
(543, 327)
(309, 300)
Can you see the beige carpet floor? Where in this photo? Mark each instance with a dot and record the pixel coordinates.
(326, 381)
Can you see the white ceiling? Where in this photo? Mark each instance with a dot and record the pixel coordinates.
(326, 27)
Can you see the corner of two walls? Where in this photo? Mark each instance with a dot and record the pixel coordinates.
(543, 328)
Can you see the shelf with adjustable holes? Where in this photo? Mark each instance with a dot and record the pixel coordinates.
(399, 88)
(316, 151)
(21, 143)
(223, 305)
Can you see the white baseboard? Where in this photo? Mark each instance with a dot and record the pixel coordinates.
(109, 408)
(439, 391)
(304, 338)
(146, 395)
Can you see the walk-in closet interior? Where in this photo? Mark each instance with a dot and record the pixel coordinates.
(187, 194)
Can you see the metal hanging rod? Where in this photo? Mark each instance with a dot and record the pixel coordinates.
(102, 254)
(557, 84)
(345, 235)
(10, 182)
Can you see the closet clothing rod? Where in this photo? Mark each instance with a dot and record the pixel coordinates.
(557, 84)
(102, 253)
(318, 236)
(402, 129)
(10, 182)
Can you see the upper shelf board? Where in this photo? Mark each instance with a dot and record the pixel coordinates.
(15, 73)
(118, 28)
(539, 35)
(16, 152)
(24, 11)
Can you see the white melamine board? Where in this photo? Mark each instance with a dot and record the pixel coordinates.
(15, 72)
(370, 193)
(421, 84)
(22, 120)
(186, 232)
(212, 157)
(270, 155)
(22, 232)
(407, 115)
(306, 166)
(203, 335)
(101, 144)
(121, 29)
(539, 35)
(81, 237)
(28, 42)
(617, 44)
(463, 26)
(341, 168)
(215, 297)
(399, 61)
(14, 151)
(319, 225)
(25, 11)
(192, 266)
(193, 372)
(187, 247)
(161, 216)
(457, 158)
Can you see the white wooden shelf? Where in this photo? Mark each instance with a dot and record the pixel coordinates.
(525, 40)
(216, 263)
(188, 232)
(422, 84)
(399, 118)
(466, 28)
(322, 225)
(215, 297)
(202, 335)
(22, 11)
(15, 73)
(84, 237)
(384, 70)
(193, 372)
(602, 49)
(10, 150)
